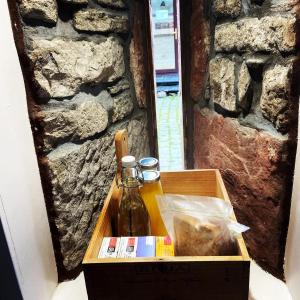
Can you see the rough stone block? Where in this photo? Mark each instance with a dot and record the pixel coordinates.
(244, 88)
(74, 120)
(120, 86)
(113, 3)
(274, 101)
(99, 20)
(76, 2)
(138, 140)
(122, 106)
(227, 8)
(44, 10)
(230, 84)
(222, 83)
(256, 172)
(284, 6)
(80, 176)
(62, 66)
(271, 33)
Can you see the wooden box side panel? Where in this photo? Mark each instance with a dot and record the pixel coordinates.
(103, 227)
(191, 182)
(221, 192)
(163, 280)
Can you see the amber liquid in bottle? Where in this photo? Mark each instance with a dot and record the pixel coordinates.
(133, 217)
(149, 190)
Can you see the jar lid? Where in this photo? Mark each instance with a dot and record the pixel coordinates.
(128, 161)
(147, 163)
(150, 176)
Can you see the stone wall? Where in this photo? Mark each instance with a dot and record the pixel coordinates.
(245, 112)
(81, 63)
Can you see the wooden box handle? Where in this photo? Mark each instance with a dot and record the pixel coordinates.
(121, 145)
(121, 148)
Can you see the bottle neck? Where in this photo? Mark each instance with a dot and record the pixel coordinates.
(130, 177)
(131, 184)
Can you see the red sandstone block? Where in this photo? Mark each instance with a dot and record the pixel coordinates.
(256, 170)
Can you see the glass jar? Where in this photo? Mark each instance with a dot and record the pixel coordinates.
(149, 163)
(133, 217)
(152, 187)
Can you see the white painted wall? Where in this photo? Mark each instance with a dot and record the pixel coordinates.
(22, 207)
(292, 254)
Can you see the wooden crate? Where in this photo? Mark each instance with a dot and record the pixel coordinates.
(190, 277)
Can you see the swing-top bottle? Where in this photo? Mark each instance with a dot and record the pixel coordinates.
(133, 217)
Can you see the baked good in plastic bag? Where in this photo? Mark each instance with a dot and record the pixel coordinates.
(196, 238)
(200, 226)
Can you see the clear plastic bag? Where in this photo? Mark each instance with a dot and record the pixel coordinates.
(200, 225)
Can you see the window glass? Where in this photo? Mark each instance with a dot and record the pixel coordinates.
(162, 5)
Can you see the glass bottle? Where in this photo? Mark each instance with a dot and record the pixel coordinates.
(152, 187)
(133, 217)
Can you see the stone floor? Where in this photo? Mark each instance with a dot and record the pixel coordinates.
(263, 286)
(169, 130)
